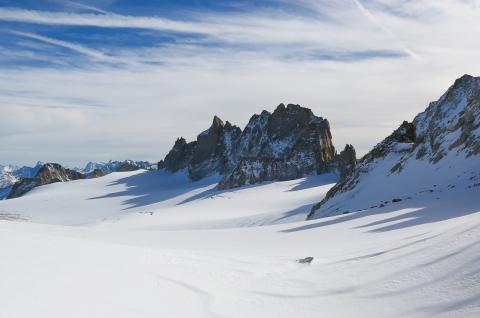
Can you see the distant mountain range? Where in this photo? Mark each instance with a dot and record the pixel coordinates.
(114, 166)
(16, 181)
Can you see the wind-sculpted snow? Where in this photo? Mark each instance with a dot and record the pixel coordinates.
(437, 152)
(188, 250)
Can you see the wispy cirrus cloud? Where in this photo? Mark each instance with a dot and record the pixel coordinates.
(355, 65)
(108, 20)
(383, 27)
(96, 54)
(85, 6)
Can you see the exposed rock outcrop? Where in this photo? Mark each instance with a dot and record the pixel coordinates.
(212, 152)
(283, 145)
(256, 170)
(49, 173)
(440, 146)
(180, 156)
(215, 150)
(346, 161)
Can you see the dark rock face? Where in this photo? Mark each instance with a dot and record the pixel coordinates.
(291, 133)
(212, 152)
(283, 145)
(160, 165)
(346, 161)
(49, 173)
(179, 157)
(21, 187)
(253, 170)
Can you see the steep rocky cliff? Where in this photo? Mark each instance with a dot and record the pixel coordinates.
(212, 152)
(437, 152)
(283, 145)
(49, 173)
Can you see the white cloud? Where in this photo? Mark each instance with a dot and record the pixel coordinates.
(139, 109)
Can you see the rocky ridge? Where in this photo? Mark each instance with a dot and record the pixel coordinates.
(49, 173)
(11, 174)
(21, 180)
(283, 145)
(441, 146)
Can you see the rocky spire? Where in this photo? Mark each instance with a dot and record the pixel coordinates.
(180, 155)
(285, 144)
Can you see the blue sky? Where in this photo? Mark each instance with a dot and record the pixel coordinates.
(107, 27)
(99, 80)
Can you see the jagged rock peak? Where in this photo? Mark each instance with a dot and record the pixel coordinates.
(180, 142)
(280, 107)
(285, 144)
(346, 160)
(211, 153)
(217, 123)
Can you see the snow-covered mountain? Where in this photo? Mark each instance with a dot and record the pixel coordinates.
(6, 176)
(437, 153)
(47, 174)
(11, 174)
(284, 145)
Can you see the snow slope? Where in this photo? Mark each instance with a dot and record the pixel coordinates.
(150, 244)
(437, 152)
(162, 200)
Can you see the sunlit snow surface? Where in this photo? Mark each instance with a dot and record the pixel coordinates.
(152, 244)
